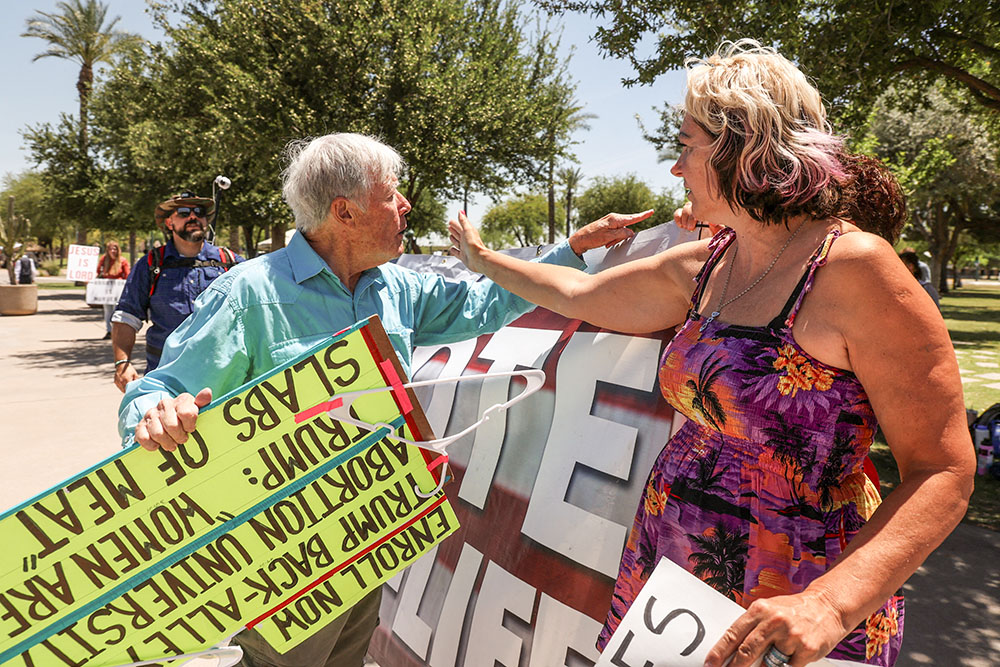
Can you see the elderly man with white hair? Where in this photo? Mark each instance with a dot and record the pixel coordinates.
(336, 270)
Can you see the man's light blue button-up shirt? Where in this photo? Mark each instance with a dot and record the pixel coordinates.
(269, 310)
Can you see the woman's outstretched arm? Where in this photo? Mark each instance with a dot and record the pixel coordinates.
(637, 297)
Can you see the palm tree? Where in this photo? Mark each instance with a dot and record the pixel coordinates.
(562, 125)
(705, 400)
(721, 563)
(707, 479)
(570, 178)
(793, 447)
(833, 469)
(78, 32)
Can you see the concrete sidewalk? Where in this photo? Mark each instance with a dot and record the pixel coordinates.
(58, 411)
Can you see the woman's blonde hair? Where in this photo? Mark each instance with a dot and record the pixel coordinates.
(773, 153)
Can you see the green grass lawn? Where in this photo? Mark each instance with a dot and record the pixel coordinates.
(972, 315)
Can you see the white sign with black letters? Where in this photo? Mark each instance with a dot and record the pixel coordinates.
(81, 262)
(102, 291)
(673, 622)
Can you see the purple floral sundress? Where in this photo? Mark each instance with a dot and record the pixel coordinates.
(761, 489)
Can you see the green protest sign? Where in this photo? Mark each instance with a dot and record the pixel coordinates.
(272, 515)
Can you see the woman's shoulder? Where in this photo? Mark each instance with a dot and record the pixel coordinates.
(861, 264)
(859, 251)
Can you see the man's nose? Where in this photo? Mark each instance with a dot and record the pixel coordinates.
(404, 205)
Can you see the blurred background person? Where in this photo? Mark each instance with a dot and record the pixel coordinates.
(912, 262)
(111, 266)
(163, 285)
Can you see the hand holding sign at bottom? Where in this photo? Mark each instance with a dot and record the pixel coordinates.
(171, 420)
(673, 622)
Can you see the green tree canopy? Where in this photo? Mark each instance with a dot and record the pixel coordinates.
(625, 194)
(28, 191)
(457, 87)
(71, 180)
(23, 207)
(80, 32)
(854, 50)
(947, 166)
(520, 221)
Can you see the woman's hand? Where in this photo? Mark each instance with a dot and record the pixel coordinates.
(804, 626)
(465, 242)
(684, 218)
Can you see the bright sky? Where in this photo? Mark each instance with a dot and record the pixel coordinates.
(36, 92)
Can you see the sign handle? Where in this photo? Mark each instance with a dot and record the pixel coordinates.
(339, 408)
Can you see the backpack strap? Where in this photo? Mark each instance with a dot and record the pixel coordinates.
(157, 263)
(227, 258)
(154, 259)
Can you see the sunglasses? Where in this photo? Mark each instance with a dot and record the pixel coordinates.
(186, 211)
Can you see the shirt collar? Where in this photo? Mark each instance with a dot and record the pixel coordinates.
(303, 259)
(306, 263)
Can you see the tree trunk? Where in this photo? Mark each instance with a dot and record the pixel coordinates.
(569, 207)
(131, 247)
(552, 202)
(248, 239)
(959, 223)
(83, 86)
(277, 236)
(938, 246)
(234, 239)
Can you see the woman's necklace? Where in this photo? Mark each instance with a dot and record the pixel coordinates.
(725, 286)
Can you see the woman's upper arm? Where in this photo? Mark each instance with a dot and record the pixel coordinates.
(643, 295)
(901, 352)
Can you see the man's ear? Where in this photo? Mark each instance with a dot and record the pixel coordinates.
(343, 211)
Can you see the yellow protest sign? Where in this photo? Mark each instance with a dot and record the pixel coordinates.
(272, 516)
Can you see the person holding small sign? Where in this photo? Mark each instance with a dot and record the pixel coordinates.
(800, 335)
(112, 266)
(336, 270)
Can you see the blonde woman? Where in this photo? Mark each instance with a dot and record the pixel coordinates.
(113, 266)
(799, 335)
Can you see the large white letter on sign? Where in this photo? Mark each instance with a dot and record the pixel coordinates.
(524, 347)
(577, 436)
(489, 640)
(559, 628)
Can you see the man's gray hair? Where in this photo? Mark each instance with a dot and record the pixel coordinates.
(335, 165)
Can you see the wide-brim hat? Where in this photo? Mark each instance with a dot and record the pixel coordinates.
(166, 208)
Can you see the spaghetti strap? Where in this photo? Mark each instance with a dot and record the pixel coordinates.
(718, 245)
(804, 285)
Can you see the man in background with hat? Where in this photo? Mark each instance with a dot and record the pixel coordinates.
(163, 286)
